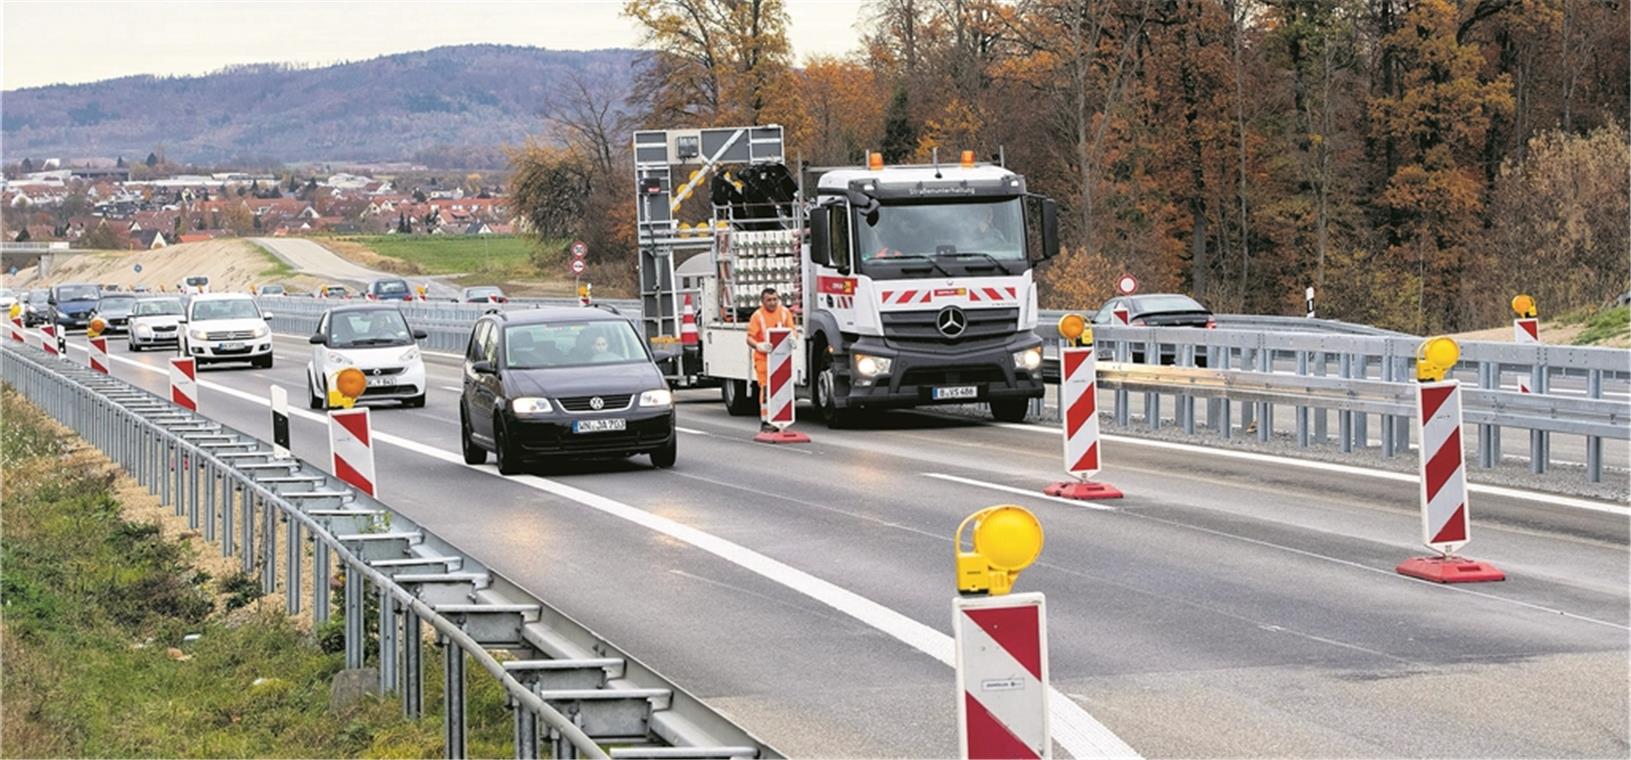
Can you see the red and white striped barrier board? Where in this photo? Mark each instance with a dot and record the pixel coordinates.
(688, 323)
(1002, 676)
(1526, 330)
(1445, 526)
(779, 401)
(351, 446)
(48, 339)
(17, 330)
(99, 355)
(184, 382)
(1078, 397)
(1121, 315)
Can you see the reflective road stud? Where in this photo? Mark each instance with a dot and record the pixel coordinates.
(184, 382)
(1078, 397)
(1444, 515)
(351, 448)
(779, 400)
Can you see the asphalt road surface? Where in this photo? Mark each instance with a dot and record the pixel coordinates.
(1228, 606)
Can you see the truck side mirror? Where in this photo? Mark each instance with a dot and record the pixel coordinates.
(820, 241)
(1041, 228)
(1050, 228)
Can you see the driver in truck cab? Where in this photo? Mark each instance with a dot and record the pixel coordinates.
(769, 315)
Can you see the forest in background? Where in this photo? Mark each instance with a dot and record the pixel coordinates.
(1416, 161)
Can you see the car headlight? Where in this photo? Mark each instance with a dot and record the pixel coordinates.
(531, 405)
(261, 332)
(411, 354)
(1029, 359)
(198, 334)
(872, 366)
(659, 397)
(341, 359)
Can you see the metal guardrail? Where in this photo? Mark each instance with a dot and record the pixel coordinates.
(234, 488)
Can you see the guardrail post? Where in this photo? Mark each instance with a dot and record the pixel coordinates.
(413, 673)
(1489, 435)
(1594, 444)
(1302, 409)
(1265, 415)
(1152, 399)
(1248, 410)
(353, 618)
(1345, 418)
(1124, 353)
(164, 469)
(1540, 453)
(269, 515)
(211, 474)
(453, 725)
(228, 486)
(319, 580)
(292, 551)
(526, 731)
(1388, 421)
(194, 464)
(1186, 402)
(1361, 423)
(246, 541)
(387, 641)
(1322, 421)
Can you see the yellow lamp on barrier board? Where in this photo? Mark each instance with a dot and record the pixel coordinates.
(1005, 539)
(1524, 305)
(1435, 357)
(96, 327)
(16, 310)
(1073, 327)
(345, 387)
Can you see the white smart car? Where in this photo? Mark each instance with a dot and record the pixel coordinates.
(226, 327)
(376, 339)
(156, 322)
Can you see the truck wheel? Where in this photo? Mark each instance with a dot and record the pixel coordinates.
(1009, 409)
(821, 396)
(739, 400)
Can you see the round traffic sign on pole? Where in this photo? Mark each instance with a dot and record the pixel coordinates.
(577, 266)
(1126, 284)
(580, 249)
(137, 267)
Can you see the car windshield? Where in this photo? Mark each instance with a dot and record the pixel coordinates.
(116, 304)
(271, 289)
(947, 231)
(227, 308)
(335, 291)
(482, 292)
(38, 296)
(148, 307)
(373, 327)
(6, 293)
(76, 292)
(571, 344)
(1156, 304)
(389, 287)
(198, 280)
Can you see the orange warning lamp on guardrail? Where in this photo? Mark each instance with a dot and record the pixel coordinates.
(347, 386)
(96, 327)
(1073, 328)
(1524, 306)
(1435, 357)
(1006, 539)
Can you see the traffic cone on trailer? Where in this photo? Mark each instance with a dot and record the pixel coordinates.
(688, 323)
(1079, 411)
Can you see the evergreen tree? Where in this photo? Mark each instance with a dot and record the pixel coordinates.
(121, 163)
(28, 165)
(899, 135)
(23, 236)
(152, 160)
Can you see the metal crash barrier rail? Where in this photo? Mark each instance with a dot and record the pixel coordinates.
(564, 684)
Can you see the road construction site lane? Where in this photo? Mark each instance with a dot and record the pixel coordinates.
(1249, 590)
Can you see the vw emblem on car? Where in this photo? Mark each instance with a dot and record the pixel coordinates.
(597, 403)
(951, 321)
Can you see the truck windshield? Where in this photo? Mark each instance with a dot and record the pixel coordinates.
(964, 232)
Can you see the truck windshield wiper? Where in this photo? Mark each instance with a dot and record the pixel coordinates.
(929, 259)
(988, 257)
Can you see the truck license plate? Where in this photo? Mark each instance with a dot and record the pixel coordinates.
(599, 426)
(958, 391)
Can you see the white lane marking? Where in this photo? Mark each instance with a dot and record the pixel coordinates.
(1345, 469)
(691, 431)
(1078, 732)
(1027, 493)
(451, 388)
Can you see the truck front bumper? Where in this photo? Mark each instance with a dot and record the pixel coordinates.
(924, 378)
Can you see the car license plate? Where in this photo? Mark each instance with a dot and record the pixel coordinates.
(959, 391)
(599, 426)
(229, 347)
(379, 380)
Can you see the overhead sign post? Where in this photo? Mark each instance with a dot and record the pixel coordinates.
(1079, 414)
(1445, 521)
(1001, 639)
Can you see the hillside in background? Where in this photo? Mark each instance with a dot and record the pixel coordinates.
(450, 107)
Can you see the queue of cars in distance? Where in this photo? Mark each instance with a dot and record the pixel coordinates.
(483, 294)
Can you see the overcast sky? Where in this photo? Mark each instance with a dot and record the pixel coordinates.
(64, 41)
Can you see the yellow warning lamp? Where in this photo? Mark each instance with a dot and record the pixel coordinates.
(874, 161)
(96, 327)
(1006, 539)
(349, 383)
(968, 159)
(1524, 306)
(1073, 328)
(583, 291)
(16, 309)
(1435, 357)
(684, 230)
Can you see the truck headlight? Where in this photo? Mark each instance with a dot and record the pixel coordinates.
(529, 405)
(1029, 359)
(659, 397)
(872, 366)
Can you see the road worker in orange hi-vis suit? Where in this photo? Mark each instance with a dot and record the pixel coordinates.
(770, 314)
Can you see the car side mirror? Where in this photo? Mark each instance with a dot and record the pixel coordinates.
(420, 335)
(820, 237)
(319, 339)
(483, 367)
(266, 315)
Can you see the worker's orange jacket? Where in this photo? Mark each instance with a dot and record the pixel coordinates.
(759, 331)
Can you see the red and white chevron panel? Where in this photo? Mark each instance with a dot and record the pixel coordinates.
(99, 355)
(48, 339)
(184, 382)
(1444, 522)
(1121, 315)
(1526, 330)
(779, 376)
(351, 447)
(17, 330)
(1002, 676)
(1079, 398)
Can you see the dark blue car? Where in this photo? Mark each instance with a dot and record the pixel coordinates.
(73, 305)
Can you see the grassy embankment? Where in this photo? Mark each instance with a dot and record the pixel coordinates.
(517, 263)
(103, 590)
(1611, 327)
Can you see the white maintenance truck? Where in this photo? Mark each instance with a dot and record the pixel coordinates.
(912, 285)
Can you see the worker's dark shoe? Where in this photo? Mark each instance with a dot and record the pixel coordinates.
(765, 427)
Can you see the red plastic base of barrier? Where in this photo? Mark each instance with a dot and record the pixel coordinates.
(1450, 570)
(1082, 490)
(781, 436)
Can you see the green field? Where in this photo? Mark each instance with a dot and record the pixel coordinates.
(434, 254)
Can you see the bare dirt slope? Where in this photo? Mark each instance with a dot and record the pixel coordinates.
(1554, 333)
(231, 265)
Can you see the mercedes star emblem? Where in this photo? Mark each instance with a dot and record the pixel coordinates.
(597, 403)
(951, 321)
